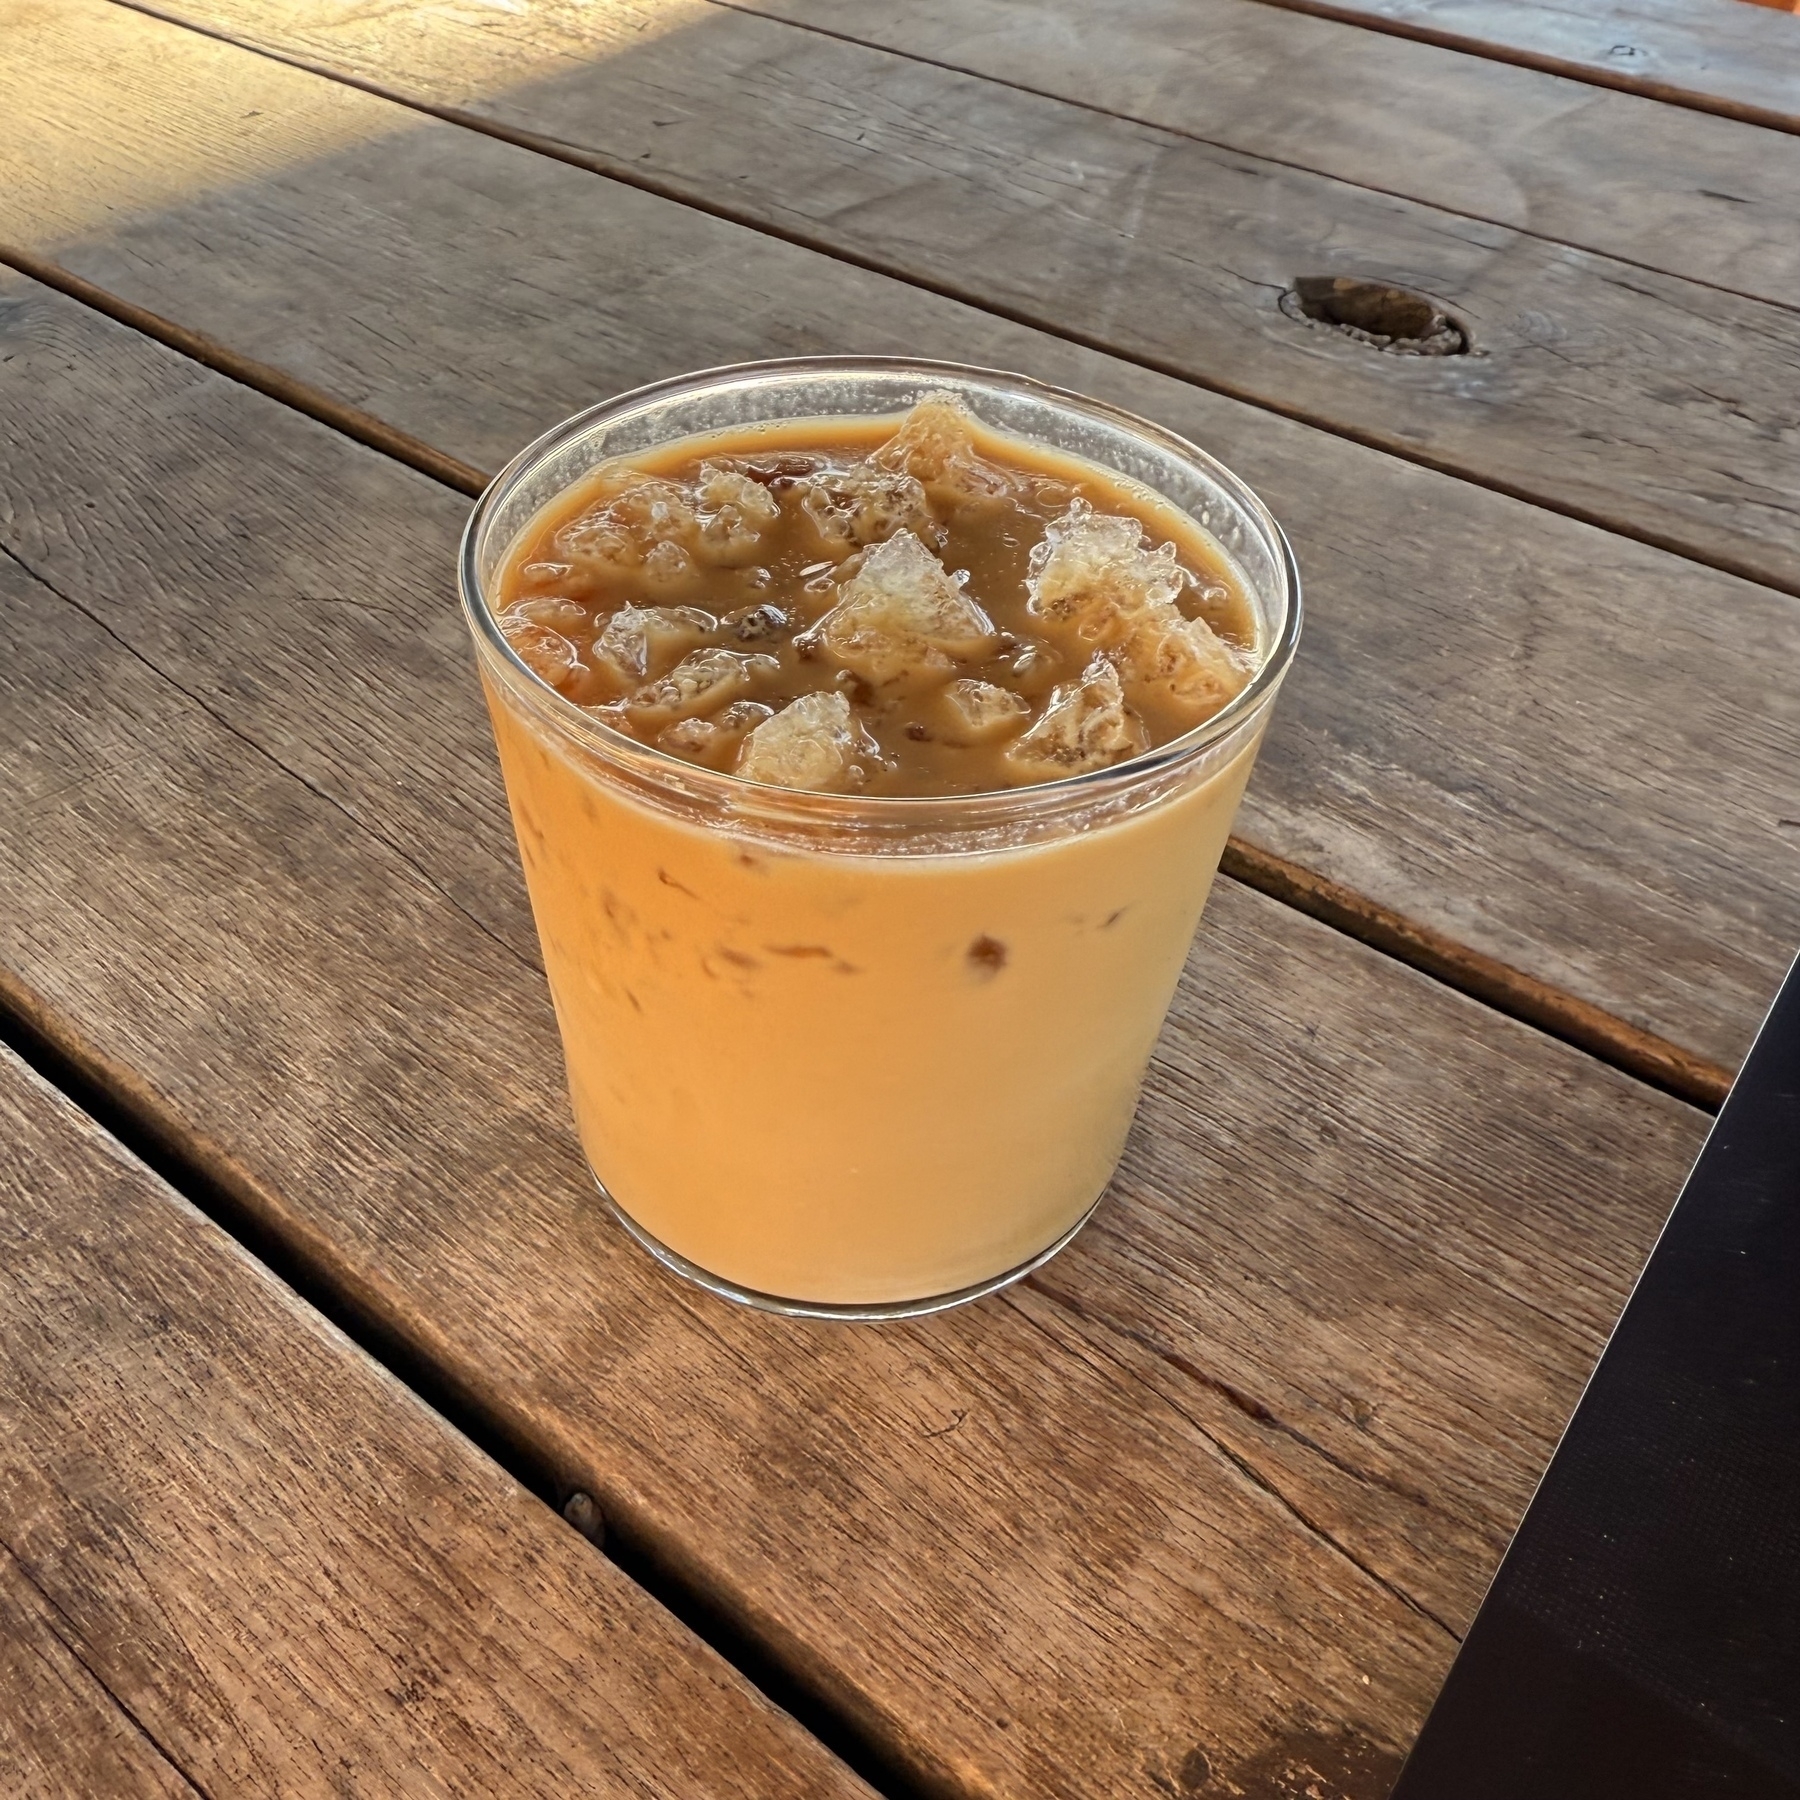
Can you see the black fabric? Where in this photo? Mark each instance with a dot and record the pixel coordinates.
(1642, 1638)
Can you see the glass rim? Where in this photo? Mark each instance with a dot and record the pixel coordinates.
(614, 745)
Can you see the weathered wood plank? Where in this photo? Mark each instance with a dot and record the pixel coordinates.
(1190, 1502)
(61, 1732)
(1685, 192)
(293, 1577)
(1485, 687)
(1600, 389)
(1730, 60)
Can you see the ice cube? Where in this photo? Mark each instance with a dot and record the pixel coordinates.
(936, 446)
(669, 570)
(700, 683)
(641, 641)
(1093, 574)
(546, 653)
(1086, 725)
(543, 575)
(865, 505)
(734, 513)
(1186, 661)
(710, 738)
(808, 744)
(554, 610)
(903, 613)
(633, 514)
(977, 712)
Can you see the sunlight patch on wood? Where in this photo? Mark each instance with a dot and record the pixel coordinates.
(248, 117)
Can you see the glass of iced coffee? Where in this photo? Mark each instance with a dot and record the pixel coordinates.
(872, 731)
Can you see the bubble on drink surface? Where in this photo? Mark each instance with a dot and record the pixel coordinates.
(903, 614)
(851, 508)
(700, 683)
(643, 641)
(734, 513)
(936, 446)
(709, 739)
(1096, 578)
(1085, 725)
(978, 712)
(546, 653)
(810, 743)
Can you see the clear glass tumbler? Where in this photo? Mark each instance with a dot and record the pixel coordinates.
(845, 1056)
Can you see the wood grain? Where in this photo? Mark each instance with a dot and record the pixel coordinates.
(1494, 728)
(1485, 978)
(293, 1578)
(1716, 58)
(1688, 193)
(1211, 1496)
(61, 1732)
(1605, 391)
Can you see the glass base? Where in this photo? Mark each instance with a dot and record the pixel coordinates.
(825, 1309)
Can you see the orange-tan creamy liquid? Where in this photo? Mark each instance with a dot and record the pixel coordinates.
(824, 1073)
(978, 613)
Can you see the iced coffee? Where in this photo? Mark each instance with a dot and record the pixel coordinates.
(848, 758)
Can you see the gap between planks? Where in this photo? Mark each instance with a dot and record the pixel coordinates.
(1654, 1060)
(1648, 87)
(592, 164)
(190, 1164)
(1603, 1035)
(1181, 131)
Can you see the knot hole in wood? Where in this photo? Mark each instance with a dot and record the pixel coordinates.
(1384, 317)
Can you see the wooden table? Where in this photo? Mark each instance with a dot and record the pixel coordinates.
(1200, 1510)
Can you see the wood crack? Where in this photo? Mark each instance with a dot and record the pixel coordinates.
(1252, 1408)
(64, 1630)
(1264, 1484)
(1269, 1487)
